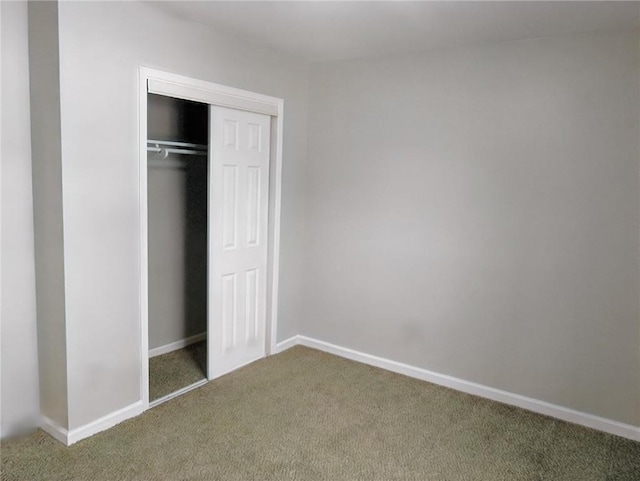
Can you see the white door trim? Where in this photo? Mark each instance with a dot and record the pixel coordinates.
(214, 94)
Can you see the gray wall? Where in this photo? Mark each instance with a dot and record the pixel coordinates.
(48, 209)
(470, 211)
(475, 212)
(101, 47)
(20, 401)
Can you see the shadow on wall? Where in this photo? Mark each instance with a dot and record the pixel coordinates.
(195, 244)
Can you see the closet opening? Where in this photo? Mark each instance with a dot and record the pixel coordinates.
(177, 216)
(210, 160)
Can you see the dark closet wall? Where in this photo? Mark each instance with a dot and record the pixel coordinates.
(177, 224)
(176, 119)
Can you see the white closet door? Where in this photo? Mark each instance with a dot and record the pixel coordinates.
(238, 207)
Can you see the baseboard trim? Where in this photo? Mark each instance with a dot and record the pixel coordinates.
(71, 437)
(286, 344)
(105, 422)
(535, 405)
(173, 346)
(54, 429)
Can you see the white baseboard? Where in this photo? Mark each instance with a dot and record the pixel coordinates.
(94, 427)
(286, 344)
(54, 429)
(105, 422)
(157, 351)
(535, 405)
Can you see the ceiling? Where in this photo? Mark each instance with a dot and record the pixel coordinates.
(317, 31)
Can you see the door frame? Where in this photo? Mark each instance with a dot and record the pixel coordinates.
(178, 86)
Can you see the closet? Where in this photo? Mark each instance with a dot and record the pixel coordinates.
(177, 177)
(208, 235)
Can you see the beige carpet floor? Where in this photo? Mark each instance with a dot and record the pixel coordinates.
(177, 369)
(306, 415)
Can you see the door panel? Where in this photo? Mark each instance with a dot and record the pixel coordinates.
(238, 206)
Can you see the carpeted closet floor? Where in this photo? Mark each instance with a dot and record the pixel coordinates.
(177, 369)
(307, 415)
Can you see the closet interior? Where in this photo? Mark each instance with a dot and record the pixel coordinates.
(177, 133)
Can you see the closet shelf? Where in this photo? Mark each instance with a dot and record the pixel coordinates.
(166, 147)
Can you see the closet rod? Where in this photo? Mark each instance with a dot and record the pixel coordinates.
(176, 151)
(166, 147)
(177, 144)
